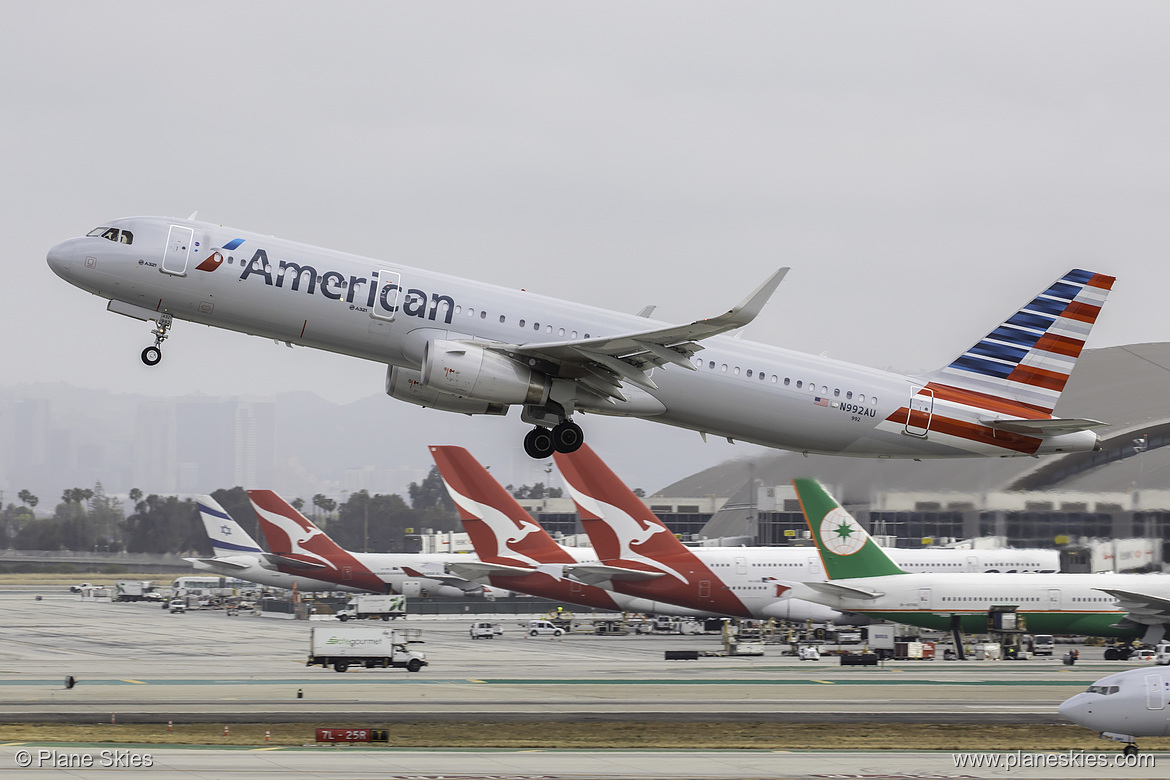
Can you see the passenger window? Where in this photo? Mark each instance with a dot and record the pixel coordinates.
(711, 365)
(749, 373)
(836, 392)
(501, 319)
(849, 395)
(521, 323)
(799, 384)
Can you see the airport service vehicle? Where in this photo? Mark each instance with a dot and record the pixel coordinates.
(84, 586)
(135, 590)
(482, 629)
(1123, 706)
(543, 628)
(863, 578)
(372, 647)
(1043, 644)
(177, 608)
(370, 607)
(473, 348)
(1162, 654)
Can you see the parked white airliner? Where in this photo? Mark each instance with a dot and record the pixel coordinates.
(236, 554)
(476, 348)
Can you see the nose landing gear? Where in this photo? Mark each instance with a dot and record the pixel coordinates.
(565, 437)
(152, 355)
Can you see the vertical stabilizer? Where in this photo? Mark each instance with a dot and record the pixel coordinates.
(619, 525)
(226, 535)
(846, 548)
(500, 530)
(1028, 358)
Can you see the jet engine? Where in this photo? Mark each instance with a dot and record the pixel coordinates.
(406, 385)
(469, 371)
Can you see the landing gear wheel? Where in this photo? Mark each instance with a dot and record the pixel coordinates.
(1130, 749)
(151, 356)
(1110, 654)
(539, 443)
(568, 437)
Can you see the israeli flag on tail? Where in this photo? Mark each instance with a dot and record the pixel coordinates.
(227, 537)
(1028, 358)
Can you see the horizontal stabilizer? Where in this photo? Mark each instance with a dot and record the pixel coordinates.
(292, 563)
(441, 576)
(597, 573)
(227, 563)
(1142, 607)
(1042, 428)
(844, 591)
(480, 571)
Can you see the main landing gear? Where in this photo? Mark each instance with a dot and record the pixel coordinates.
(565, 437)
(152, 355)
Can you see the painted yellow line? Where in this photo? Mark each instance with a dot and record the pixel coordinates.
(481, 682)
(136, 682)
(261, 750)
(824, 682)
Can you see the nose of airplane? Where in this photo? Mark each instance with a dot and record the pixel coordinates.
(1078, 709)
(60, 258)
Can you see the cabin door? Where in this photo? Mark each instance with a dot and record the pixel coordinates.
(921, 410)
(178, 249)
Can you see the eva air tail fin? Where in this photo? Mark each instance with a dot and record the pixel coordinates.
(846, 549)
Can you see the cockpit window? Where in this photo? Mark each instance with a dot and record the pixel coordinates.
(1104, 690)
(112, 234)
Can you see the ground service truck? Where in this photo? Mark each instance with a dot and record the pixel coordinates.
(372, 647)
(370, 606)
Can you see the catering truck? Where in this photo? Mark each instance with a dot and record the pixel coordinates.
(371, 606)
(370, 646)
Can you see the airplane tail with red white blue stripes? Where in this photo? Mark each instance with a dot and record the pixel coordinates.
(1026, 361)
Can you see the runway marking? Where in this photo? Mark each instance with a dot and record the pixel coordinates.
(823, 682)
(136, 682)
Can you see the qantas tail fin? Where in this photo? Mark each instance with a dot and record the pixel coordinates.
(846, 549)
(1027, 360)
(500, 530)
(227, 537)
(288, 532)
(619, 525)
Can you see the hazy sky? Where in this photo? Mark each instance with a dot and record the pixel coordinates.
(924, 168)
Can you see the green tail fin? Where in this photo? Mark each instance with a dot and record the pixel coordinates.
(845, 547)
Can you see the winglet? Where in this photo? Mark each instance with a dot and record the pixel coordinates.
(752, 305)
(847, 551)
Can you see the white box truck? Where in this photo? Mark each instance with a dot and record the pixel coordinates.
(372, 647)
(370, 606)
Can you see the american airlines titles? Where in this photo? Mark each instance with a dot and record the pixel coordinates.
(335, 286)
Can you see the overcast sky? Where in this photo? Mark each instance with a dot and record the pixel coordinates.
(924, 168)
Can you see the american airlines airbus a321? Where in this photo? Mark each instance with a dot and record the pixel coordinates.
(469, 347)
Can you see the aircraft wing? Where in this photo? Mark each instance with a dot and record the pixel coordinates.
(1041, 428)
(1141, 607)
(292, 563)
(844, 591)
(597, 573)
(602, 364)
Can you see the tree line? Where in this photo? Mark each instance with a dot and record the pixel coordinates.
(88, 520)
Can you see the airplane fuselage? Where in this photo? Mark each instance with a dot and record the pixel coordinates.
(1050, 603)
(389, 313)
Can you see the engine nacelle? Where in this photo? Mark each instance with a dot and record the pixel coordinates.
(406, 385)
(474, 372)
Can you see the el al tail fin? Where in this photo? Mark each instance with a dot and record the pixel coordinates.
(500, 530)
(615, 519)
(1027, 360)
(846, 549)
(226, 535)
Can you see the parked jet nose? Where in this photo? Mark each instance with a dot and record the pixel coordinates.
(60, 258)
(1079, 709)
